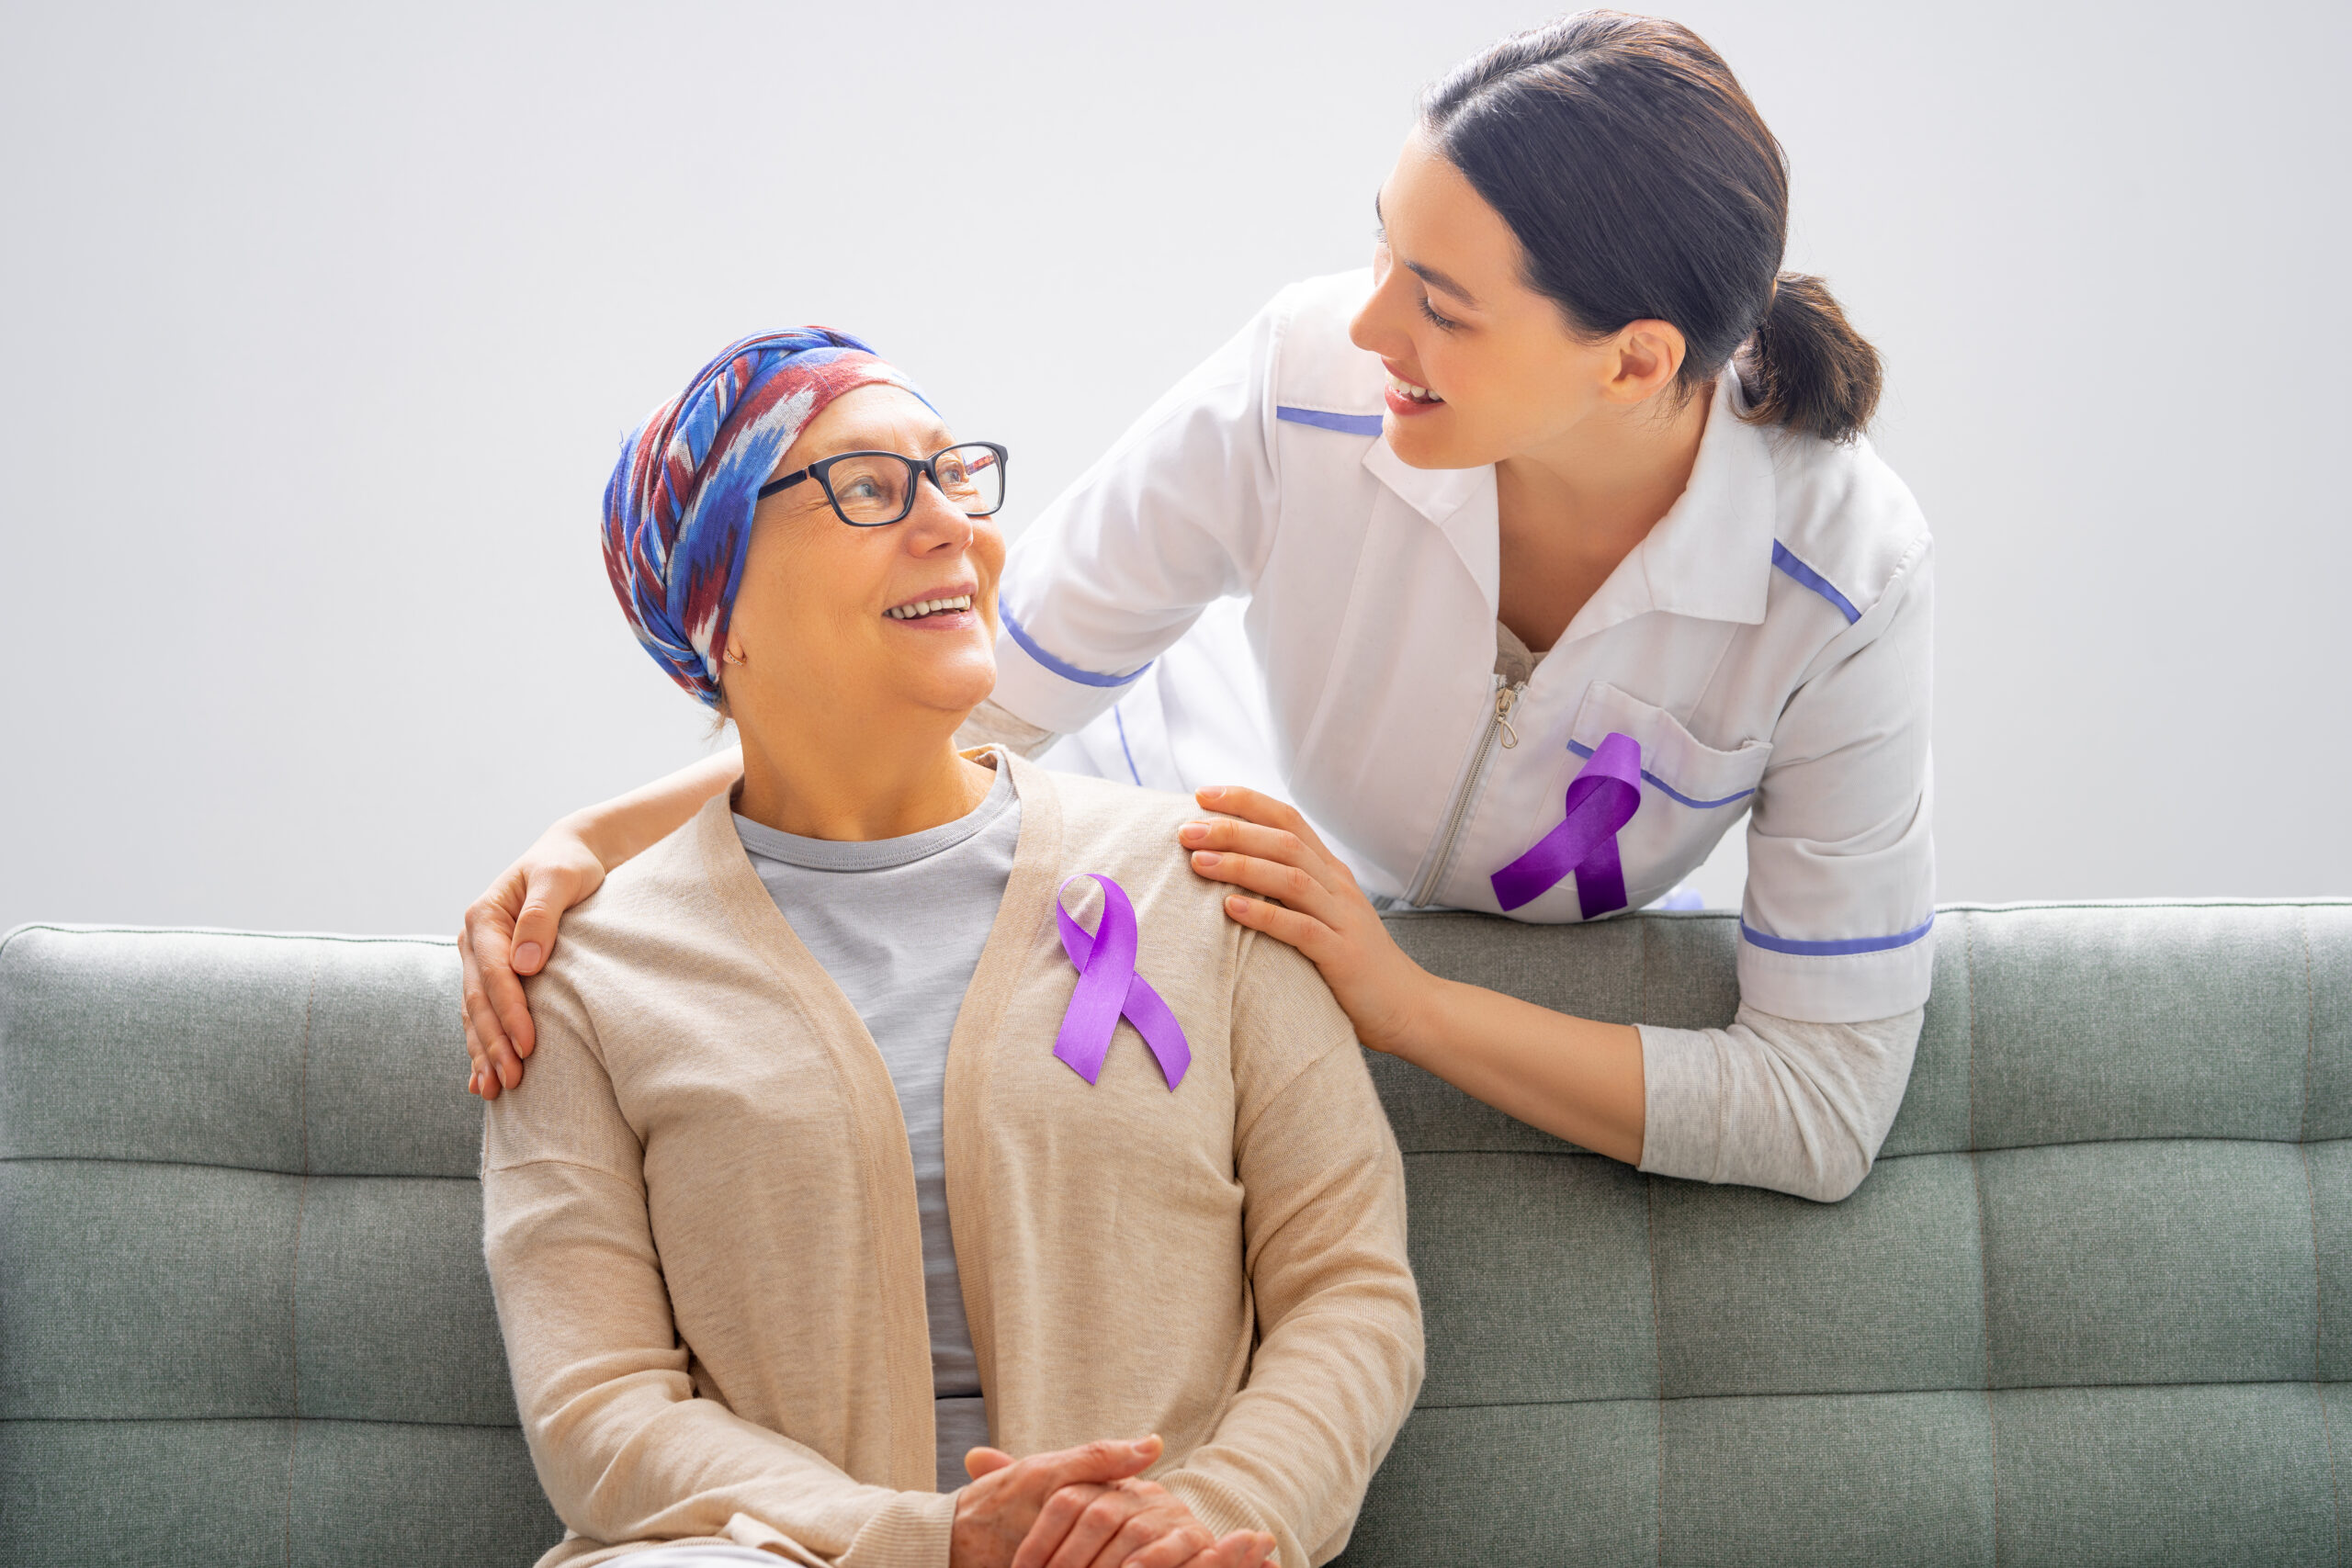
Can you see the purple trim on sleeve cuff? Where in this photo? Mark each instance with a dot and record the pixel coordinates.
(1066, 671)
(1836, 948)
(1815, 581)
(1345, 423)
(1669, 790)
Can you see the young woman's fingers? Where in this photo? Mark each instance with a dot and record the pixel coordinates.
(490, 934)
(515, 1016)
(1236, 800)
(548, 895)
(505, 989)
(488, 1045)
(483, 1040)
(1295, 888)
(481, 1018)
(1310, 936)
(1246, 838)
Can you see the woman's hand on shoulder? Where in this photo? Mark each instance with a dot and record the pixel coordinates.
(1317, 908)
(508, 932)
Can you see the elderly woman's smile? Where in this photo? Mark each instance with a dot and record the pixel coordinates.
(951, 609)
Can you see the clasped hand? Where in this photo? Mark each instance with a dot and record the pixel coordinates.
(1085, 1507)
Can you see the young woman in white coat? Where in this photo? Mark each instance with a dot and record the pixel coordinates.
(1560, 512)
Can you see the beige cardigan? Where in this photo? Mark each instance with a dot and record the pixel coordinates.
(699, 1212)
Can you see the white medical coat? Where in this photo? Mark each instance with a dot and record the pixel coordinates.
(1251, 587)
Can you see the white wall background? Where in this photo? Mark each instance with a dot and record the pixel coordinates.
(318, 325)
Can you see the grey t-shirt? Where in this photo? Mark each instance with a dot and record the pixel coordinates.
(899, 923)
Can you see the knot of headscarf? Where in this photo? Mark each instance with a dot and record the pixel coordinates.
(678, 508)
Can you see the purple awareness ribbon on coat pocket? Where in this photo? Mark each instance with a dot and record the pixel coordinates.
(1108, 986)
(1603, 797)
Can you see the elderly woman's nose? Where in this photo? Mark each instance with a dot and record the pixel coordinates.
(935, 521)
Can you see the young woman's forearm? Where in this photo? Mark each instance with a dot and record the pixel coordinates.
(1574, 1078)
(1775, 1102)
(626, 826)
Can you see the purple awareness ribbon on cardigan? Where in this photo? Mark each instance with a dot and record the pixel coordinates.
(1603, 797)
(1109, 985)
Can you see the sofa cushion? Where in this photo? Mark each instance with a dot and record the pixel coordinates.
(2093, 1306)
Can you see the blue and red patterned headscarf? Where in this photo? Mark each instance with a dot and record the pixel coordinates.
(678, 508)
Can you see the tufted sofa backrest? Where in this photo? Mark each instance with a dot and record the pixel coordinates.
(244, 1317)
(2094, 1304)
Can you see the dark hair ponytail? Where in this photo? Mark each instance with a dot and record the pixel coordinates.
(1807, 367)
(1642, 184)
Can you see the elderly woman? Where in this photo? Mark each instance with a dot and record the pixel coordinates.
(910, 1115)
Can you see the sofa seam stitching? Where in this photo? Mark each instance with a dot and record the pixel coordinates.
(1649, 1220)
(294, 1281)
(64, 929)
(1587, 1154)
(1657, 1353)
(2310, 1191)
(1984, 1250)
(247, 1420)
(2311, 1187)
(2310, 1043)
(1793, 1393)
(24, 1420)
(1406, 1153)
(321, 1175)
(2334, 1485)
(419, 940)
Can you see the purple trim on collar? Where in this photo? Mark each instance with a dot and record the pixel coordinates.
(1815, 581)
(1836, 948)
(1345, 423)
(1066, 671)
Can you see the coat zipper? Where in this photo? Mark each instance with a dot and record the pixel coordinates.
(1482, 758)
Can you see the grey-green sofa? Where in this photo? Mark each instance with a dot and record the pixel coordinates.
(2093, 1305)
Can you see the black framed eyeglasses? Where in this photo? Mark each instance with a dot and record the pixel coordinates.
(869, 489)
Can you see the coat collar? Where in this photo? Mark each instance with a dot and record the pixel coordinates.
(1710, 556)
(1461, 502)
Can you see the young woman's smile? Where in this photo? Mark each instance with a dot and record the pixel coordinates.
(1406, 398)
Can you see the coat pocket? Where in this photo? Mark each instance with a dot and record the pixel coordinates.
(1674, 761)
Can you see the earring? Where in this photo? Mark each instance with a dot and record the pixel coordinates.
(734, 656)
